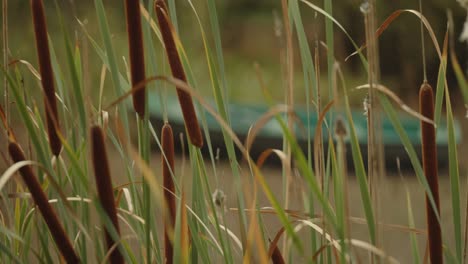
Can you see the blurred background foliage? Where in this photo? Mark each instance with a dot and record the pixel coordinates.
(248, 36)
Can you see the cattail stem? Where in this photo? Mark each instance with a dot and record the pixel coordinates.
(137, 60)
(429, 155)
(47, 75)
(167, 139)
(185, 100)
(49, 215)
(104, 188)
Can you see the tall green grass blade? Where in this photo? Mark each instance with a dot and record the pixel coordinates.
(223, 236)
(215, 31)
(33, 135)
(222, 109)
(440, 85)
(332, 19)
(393, 117)
(111, 59)
(199, 206)
(330, 46)
(340, 199)
(6, 251)
(74, 71)
(414, 241)
(173, 14)
(360, 171)
(454, 180)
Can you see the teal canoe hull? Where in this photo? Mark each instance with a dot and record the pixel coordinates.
(244, 116)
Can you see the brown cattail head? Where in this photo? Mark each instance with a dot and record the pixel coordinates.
(185, 100)
(104, 187)
(277, 257)
(167, 139)
(47, 75)
(137, 60)
(429, 157)
(49, 215)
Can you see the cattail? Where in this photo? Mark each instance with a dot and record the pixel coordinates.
(47, 75)
(104, 188)
(186, 103)
(429, 157)
(49, 215)
(276, 256)
(167, 140)
(137, 60)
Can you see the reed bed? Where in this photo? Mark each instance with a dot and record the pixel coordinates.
(145, 212)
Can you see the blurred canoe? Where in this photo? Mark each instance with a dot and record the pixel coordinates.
(243, 116)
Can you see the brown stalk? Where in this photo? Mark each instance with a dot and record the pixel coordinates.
(137, 60)
(185, 100)
(167, 139)
(49, 215)
(47, 75)
(104, 188)
(429, 156)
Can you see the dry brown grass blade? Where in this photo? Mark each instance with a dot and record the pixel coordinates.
(263, 120)
(47, 75)
(105, 190)
(167, 160)
(318, 129)
(28, 65)
(9, 131)
(274, 243)
(379, 31)
(185, 100)
(318, 144)
(429, 160)
(50, 217)
(399, 102)
(137, 60)
(391, 18)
